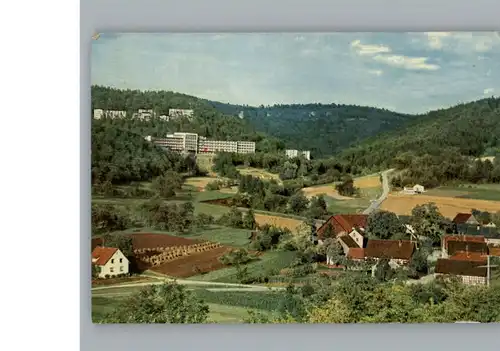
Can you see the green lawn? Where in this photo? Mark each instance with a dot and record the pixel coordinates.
(346, 206)
(269, 260)
(478, 192)
(224, 235)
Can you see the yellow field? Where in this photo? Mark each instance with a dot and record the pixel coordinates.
(283, 222)
(371, 181)
(328, 190)
(367, 182)
(260, 173)
(448, 206)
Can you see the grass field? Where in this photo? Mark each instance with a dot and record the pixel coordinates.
(259, 173)
(448, 206)
(369, 181)
(270, 260)
(370, 188)
(199, 182)
(225, 236)
(342, 206)
(489, 192)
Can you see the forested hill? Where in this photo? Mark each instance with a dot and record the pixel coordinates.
(323, 129)
(471, 129)
(207, 120)
(439, 147)
(119, 155)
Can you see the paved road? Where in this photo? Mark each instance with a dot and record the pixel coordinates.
(385, 192)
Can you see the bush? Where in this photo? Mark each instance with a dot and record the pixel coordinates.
(107, 276)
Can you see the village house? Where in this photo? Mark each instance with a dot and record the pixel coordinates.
(465, 218)
(490, 233)
(398, 252)
(345, 224)
(470, 272)
(416, 189)
(453, 244)
(110, 261)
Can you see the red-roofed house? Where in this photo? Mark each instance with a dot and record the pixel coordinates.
(110, 260)
(465, 218)
(477, 244)
(398, 252)
(351, 224)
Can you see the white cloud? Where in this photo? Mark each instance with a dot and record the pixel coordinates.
(376, 72)
(435, 39)
(463, 41)
(362, 49)
(410, 63)
(488, 91)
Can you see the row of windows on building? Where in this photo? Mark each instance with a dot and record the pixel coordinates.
(191, 142)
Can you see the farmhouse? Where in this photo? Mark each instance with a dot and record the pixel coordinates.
(399, 252)
(470, 272)
(344, 224)
(465, 218)
(416, 189)
(110, 260)
(452, 244)
(491, 234)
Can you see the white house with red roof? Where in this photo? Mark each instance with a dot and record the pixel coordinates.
(110, 260)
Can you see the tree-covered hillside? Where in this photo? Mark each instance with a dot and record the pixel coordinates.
(438, 147)
(119, 156)
(323, 129)
(207, 120)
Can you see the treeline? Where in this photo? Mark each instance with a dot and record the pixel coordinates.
(121, 156)
(207, 121)
(432, 171)
(255, 193)
(308, 172)
(438, 147)
(363, 299)
(323, 129)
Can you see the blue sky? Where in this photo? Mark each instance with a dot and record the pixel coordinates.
(405, 72)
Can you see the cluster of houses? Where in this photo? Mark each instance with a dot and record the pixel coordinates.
(464, 253)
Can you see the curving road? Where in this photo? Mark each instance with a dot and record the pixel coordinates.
(385, 192)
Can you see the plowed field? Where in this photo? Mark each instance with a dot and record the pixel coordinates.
(187, 266)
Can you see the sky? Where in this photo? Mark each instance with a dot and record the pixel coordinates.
(403, 72)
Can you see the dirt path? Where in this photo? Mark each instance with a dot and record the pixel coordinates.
(223, 286)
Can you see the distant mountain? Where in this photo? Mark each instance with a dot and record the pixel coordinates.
(323, 129)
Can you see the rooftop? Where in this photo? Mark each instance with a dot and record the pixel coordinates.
(394, 249)
(348, 241)
(101, 255)
(457, 267)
